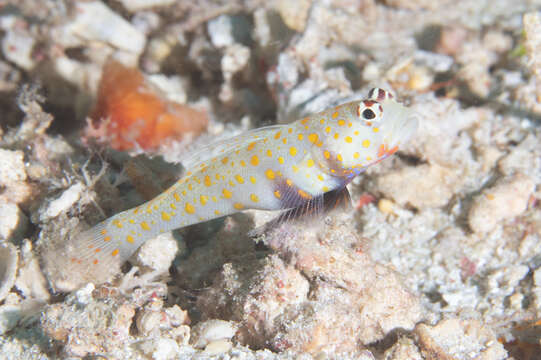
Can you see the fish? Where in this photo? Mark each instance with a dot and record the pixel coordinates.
(290, 167)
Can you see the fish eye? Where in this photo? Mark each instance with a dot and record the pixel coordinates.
(369, 111)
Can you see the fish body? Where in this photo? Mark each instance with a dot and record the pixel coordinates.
(273, 168)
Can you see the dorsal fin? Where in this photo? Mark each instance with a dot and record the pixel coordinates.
(195, 158)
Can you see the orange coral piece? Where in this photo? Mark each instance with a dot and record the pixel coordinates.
(134, 114)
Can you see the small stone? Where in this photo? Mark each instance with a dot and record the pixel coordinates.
(148, 322)
(9, 317)
(63, 203)
(386, 206)
(161, 349)
(138, 5)
(84, 294)
(459, 339)
(13, 222)
(8, 268)
(17, 47)
(505, 200)
(220, 30)
(158, 253)
(218, 347)
(212, 330)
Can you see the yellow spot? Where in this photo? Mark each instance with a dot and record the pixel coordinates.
(313, 138)
(184, 192)
(217, 176)
(189, 173)
(117, 223)
(166, 216)
(250, 146)
(173, 206)
(103, 232)
(207, 181)
(376, 129)
(238, 206)
(214, 198)
(350, 124)
(145, 226)
(310, 163)
(290, 130)
(254, 198)
(304, 121)
(216, 212)
(203, 199)
(356, 155)
(190, 187)
(270, 174)
(269, 153)
(107, 238)
(320, 178)
(131, 221)
(490, 196)
(336, 136)
(242, 163)
(289, 182)
(277, 194)
(348, 139)
(239, 179)
(293, 151)
(328, 129)
(196, 179)
(177, 196)
(326, 154)
(304, 195)
(136, 211)
(322, 121)
(325, 188)
(366, 143)
(300, 136)
(231, 183)
(129, 239)
(284, 140)
(356, 132)
(368, 158)
(341, 122)
(115, 252)
(277, 135)
(295, 168)
(227, 194)
(335, 115)
(254, 160)
(252, 179)
(278, 173)
(281, 160)
(189, 208)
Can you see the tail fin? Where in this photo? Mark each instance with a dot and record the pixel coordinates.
(90, 256)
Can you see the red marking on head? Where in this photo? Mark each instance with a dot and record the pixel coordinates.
(368, 103)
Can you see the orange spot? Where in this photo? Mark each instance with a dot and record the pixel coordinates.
(277, 194)
(277, 135)
(281, 160)
(254, 197)
(381, 150)
(335, 115)
(341, 122)
(95, 262)
(304, 121)
(166, 216)
(238, 206)
(115, 252)
(251, 146)
(129, 239)
(269, 153)
(293, 151)
(203, 199)
(270, 174)
(239, 179)
(326, 154)
(145, 226)
(103, 232)
(254, 160)
(137, 115)
(304, 195)
(207, 182)
(348, 139)
(313, 138)
(227, 194)
(225, 160)
(107, 238)
(176, 196)
(189, 208)
(392, 151)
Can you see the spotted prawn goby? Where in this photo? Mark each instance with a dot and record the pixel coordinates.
(277, 167)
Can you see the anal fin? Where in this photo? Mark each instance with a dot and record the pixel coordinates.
(310, 209)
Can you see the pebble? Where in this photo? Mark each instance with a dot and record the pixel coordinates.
(13, 222)
(63, 203)
(505, 200)
(210, 331)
